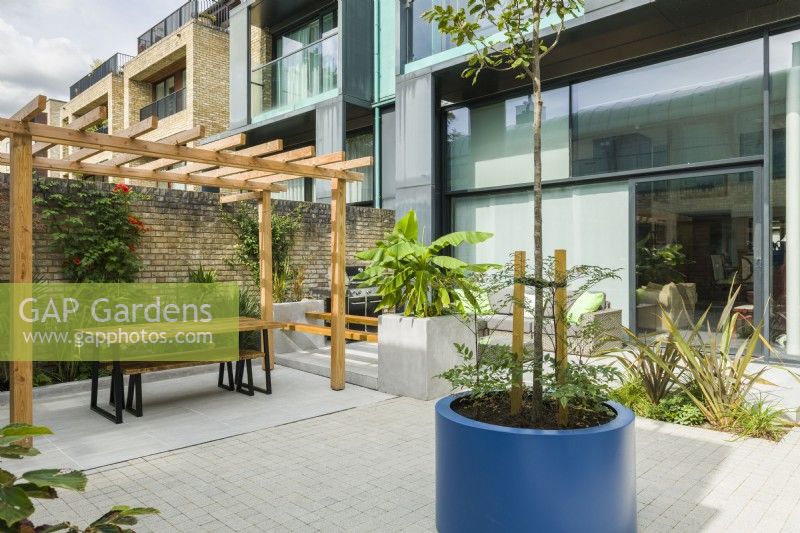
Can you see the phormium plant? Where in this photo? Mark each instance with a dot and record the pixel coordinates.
(95, 230)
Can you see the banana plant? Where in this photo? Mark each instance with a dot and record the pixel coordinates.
(418, 278)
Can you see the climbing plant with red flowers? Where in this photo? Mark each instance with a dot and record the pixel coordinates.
(93, 228)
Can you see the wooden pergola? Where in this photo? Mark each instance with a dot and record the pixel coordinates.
(222, 163)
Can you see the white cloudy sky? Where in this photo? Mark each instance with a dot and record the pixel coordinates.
(47, 45)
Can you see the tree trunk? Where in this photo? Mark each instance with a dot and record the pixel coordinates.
(538, 260)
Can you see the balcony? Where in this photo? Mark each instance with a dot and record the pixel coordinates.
(213, 12)
(164, 107)
(303, 77)
(112, 65)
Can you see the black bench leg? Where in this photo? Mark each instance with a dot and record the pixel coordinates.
(116, 394)
(221, 380)
(134, 403)
(241, 366)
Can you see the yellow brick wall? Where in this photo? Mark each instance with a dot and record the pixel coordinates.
(261, 53)
(207, 68)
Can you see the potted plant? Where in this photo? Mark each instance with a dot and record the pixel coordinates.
(498, 468)
(431, 290)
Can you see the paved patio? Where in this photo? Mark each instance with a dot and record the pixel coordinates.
(371, 468)
(180, 409)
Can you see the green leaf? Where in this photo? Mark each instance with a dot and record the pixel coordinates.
(52, 477)
(35, 491)
(458, 237)
(14, 505)
(408, 226)
(24, 430)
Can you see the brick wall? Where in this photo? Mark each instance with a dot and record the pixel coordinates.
(186, 230)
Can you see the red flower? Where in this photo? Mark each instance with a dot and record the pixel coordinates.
(138, 224)
(76, 261)
(121, 187)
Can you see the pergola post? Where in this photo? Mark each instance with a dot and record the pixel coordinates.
(265, 264)
(338, 201)
(21, 256)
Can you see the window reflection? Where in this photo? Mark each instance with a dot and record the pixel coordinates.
(704, 107)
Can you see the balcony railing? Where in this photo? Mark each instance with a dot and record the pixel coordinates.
(112, 65)
(164, 107)
(295, 79)
(214, 12)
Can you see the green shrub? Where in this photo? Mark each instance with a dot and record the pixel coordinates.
(200, 275)
(93, 229)
(675, 407)
(761, 419)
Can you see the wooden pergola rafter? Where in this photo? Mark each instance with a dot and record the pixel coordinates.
(220, 163)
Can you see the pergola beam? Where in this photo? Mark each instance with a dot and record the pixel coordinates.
(256, 151)
(32, 109)
(225, 143)
(115, 143)
(136, 173)
(291, 155)
(239, 197)
(176, 139)
(318, 160)
(137, 130)
(339, 165)
(92, 118)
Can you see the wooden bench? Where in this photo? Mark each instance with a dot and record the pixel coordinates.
(325, 331)
(349, 319)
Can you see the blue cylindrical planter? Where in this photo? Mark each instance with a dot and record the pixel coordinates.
(493, 478)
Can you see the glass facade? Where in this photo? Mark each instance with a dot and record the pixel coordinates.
(729, 207)
(360, 144)
(704, 107)
(784, 54)
(490, 145)
(694, 237)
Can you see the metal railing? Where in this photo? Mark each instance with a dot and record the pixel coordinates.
(296, 77)
(214, 12)
(164, 107)
(112, 65)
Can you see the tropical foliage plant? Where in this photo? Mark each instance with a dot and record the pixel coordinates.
(659, 264)
(418, 278)
(18, 492)
(519, 46)
(95, 230)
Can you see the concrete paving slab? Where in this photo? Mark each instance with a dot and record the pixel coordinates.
(179, 412)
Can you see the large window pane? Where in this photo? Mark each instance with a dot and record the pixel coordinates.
(694, 236)
(704, 107)
(498, 214)
(784, 61)
(357, 145)
(491, 145)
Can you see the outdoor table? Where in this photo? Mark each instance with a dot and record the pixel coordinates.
(240, 325)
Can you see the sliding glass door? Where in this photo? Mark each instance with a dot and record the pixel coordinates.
(696, 236)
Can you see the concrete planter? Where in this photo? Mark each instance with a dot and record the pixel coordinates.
(495, 478)
(294, 341)
(412, 351)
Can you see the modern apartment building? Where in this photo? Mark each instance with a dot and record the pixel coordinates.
(669, 126)
(179, 74)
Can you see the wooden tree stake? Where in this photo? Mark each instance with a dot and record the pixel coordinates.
(518, 322)
(561, 328)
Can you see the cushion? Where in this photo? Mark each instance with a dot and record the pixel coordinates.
(506, 323)
(502, 301)
(588, 302)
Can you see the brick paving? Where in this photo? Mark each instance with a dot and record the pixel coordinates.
(371, 469)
